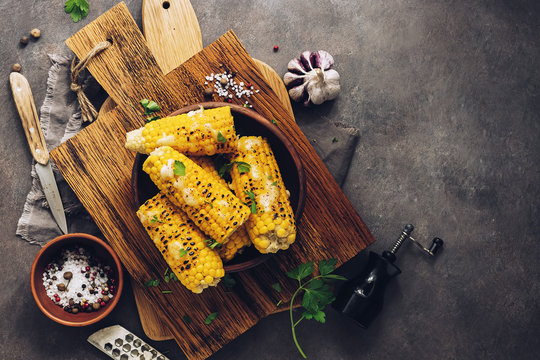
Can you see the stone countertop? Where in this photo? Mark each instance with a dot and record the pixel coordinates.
(446, 95)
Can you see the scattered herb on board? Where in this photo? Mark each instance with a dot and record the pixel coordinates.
(335, 140)
(149, 106)
(317, 293)
(183, 252)
(274, 121)
(179, 168)
(152, 283)
(279, 303)
(221, 138)
(166, 291)
(155, 219)
(187, 319)
(152, 118)
(253, 203)
(77, 9)
(210, 318)
(277, 287)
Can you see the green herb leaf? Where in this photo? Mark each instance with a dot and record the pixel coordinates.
(152, 107)
(172, 276)
(335, 140)
(274, 183)
(277, 287)
(269, 177)
(334, 277)
(228, 281)
(166, 272)
(209, 203)
(144, 103)
(183, 252)
(327, 266)
(179, 168)
(167, 278)
(302, 271)
(221, 138)
(152, 118)
(250, 194)
(253, 208)
(77, 9)
(279, 303)
(187, 319)
(155, 219)
(274, 121)
(166, 291)
(210, 318)
(243, 167)
(320, 316)
(152, 282)
(212, 244)
(225, 169)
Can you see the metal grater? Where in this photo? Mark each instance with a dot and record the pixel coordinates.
(119, 343)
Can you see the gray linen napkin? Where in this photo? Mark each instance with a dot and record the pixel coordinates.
(60, 119)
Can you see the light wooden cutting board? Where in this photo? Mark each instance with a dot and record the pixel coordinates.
(98, 168)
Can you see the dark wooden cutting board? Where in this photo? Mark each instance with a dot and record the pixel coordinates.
(98, 168)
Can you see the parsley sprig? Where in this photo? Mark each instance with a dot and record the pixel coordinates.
(317, 293)
(243, 167)
(253, 206)
(212, 244)
(77, 9)
(150, 107)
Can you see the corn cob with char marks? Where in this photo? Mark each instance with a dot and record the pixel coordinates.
(201, 132)
(210, 205)
(238, 239)
(181, 243)
(272, 227)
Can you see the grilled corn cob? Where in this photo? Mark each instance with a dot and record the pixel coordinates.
(181, 243)
(238, 239)
(201, 132)
(271, 225)
(210, 205)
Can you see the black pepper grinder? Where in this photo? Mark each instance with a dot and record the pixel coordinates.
(362, 297)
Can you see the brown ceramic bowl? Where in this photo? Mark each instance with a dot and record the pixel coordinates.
(246, 122)
(48, 253)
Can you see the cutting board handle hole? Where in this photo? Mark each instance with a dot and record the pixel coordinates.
(166, 4)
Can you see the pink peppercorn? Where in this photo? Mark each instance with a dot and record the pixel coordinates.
(276, 48)
(230, 100)
(102, 303)
(88, 268)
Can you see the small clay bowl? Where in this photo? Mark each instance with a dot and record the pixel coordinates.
(49, 252)
(247, 122)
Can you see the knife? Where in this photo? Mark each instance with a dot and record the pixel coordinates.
(24, 101)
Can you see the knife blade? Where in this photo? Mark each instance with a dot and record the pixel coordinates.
(24, 101)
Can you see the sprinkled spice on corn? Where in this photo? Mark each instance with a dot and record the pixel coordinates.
(238, 239)
(201, 132)
(210, 205)
(181, 243)
(271, 226)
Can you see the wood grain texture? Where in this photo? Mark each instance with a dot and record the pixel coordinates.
(98, 168)
(24, 101)
(172, 31)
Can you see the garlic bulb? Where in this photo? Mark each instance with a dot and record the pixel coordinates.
(310, 78)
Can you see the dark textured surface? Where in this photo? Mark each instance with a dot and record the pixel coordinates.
(446, 97)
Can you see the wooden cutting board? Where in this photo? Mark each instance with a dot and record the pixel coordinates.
(98, 168)
(173, 35)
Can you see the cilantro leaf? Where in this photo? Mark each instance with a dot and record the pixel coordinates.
(183, 252)
(243, 167)
(225, 169)
(152, 118)
(152, 282)
(320, 316)
(77, 9)
(187, 319)
(279, 303)
(253, 208)
(274, 183)
(327, 266)
(179, 168)
(144, 103)
(269, 177)
(335, 140)
(155, 219)
(166, 291)
(302, 271)
(210, 318)
(277, 287)
(221, 138)
(212, 244)
(250, 194)
(274, 121)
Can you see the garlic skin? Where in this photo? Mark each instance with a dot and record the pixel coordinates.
(311, 79)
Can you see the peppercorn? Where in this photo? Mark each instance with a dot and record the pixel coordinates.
(79, 294)
(87, 275)
(71, 302)
(24, 40)
(54, 278)
(75, 310)
(61, 287)
(96, 306)
(105, 298)
(208, 92)
(68, 275)
(36, 33)
(224, 80)
(16, 67)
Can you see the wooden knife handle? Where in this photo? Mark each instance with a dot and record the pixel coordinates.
(22, 94)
